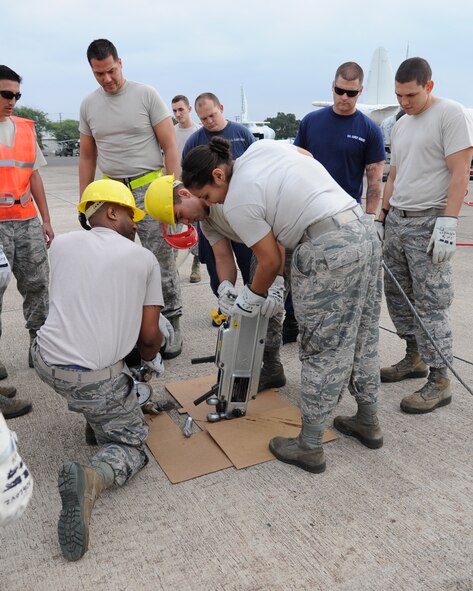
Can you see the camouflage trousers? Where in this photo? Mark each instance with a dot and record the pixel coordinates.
(274, 334)
(150, 232)
(336, 291)
(25, 249)
(429, 287)
(111, 409)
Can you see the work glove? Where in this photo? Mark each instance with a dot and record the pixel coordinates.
(248, 303)
(167, 331)
(443, 240)
(155, 364)
(227, 294)
(83, 221)
(16, 483)
(274, 303)
(5, 271)
(379, 225)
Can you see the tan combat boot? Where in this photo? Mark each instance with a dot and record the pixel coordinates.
(79, 487)
(12, 407)
(272, 372)
(411, 366)
(434, 394)
(304, 451)
(195, 276)
(364, 426)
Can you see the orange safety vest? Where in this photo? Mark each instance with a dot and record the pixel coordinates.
(16, 167)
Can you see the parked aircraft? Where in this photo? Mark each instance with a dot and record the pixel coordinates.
(258, 128)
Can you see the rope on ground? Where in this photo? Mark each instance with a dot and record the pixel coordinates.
(424, 328)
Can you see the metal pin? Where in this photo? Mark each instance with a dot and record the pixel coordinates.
(187, 429)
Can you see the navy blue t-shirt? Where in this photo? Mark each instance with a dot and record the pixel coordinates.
(344, 144)
(238, 136)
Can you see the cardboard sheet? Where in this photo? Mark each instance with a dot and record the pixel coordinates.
(183, 458)
(238, 442)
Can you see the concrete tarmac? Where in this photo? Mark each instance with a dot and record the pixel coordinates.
(395, 519)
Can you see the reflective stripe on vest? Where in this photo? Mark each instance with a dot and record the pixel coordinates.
(16, 167)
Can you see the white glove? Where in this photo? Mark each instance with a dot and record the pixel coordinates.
(227, 294)
(379, 229)
(167, 331)
(443, 240)
(248, 303)
(274, 303)
(155, 364)
(16, 483)
(5, 271)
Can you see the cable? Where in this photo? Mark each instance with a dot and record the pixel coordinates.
(424, 328)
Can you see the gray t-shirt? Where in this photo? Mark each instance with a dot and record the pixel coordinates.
(122, 127)
(276, 188)
(216, 227)
(183, 134)
(420, 145)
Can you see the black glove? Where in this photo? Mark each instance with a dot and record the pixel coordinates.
(83, 221)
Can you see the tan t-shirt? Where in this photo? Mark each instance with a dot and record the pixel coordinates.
(420, 145)
(216, 226)
(122, 127)
(100, 282)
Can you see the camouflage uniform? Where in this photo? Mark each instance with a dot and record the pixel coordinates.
(428, 286)
(25, 248)
(151, 237)
(111, 409)
(336, 290)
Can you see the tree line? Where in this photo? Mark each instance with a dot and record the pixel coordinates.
(285, 125)
(61, 130)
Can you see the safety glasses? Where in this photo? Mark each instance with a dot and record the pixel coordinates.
(342, 91)
(8, 94)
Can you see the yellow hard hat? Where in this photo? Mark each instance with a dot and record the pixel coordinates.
(159, 199)
(110, 192)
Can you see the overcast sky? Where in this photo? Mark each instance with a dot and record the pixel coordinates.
(284, 53)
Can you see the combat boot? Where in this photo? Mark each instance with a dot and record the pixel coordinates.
(304, 451)
(3, 371)
(175, 348)
(79, 487)
(195, 276)
(272, 372)
(8, 391)
(290, 329)
(435, 393)
(32, 338)
(364, 426)
(411, 366)
(14, 407)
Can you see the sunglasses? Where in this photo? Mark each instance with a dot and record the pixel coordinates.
(9, 95)
(342, 91)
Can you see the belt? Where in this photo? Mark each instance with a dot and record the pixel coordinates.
(332, 223)
(404, 213)
(77, 376)
(134, 182)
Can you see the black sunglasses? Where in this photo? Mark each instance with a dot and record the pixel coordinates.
(8, 94)
(342, 91)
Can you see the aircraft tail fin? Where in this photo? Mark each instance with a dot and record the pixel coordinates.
(379, 89)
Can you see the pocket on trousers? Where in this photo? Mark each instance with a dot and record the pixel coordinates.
(340, 257)
(318, 337)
